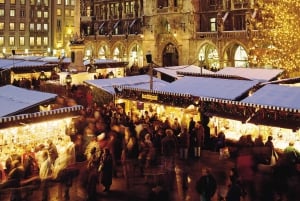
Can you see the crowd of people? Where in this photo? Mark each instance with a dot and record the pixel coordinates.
(106, 137)
(142, 138)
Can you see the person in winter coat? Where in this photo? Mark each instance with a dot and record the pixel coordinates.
(206, 185)
(106, 169)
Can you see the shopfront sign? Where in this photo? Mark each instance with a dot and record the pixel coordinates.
(150, 97)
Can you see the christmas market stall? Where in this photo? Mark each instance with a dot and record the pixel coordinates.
(277, 114)
(181, 98)
(24, 73)
(103, 89)
(106, 68)
(26, 139)
(272, 110)
(27, 134)
(15, 100)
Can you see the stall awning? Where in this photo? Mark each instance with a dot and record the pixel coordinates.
(40, 116)
(174, 71)
(275, 95)
(278, 105)
(14, 100)
(139, 81)
(227, 89)
(260, 74)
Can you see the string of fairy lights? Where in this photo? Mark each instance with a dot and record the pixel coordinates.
(277, 44)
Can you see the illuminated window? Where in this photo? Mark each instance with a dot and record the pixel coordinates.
(2, 1)
(1, 12)
(38, 27)
(31, 27)
(12, 13)
(22, 26)
(58, 12)
(1, 25)
(67, 12)
(31, 41)
(39, 41)
(45, 40)
(1, 40)
(67, 2)
(45, 27)
(39, 14)
(46, 14)
(22, 40)
(72, 13)
(12, 26)
(11, 40)
(46, 2)
(58, 2)
(12, 1)
(73, 2)
(213, 24)
(32, 2)
(22, 1)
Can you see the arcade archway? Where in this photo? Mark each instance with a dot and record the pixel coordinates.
(170, 55)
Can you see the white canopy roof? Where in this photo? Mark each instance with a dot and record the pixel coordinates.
(276, 95)
(261, 74)
(172, 70)
(210, 87)
(14, 99)
(8, 63)
(139, 81)
(100, 61)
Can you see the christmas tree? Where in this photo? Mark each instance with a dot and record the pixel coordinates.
(278, 39)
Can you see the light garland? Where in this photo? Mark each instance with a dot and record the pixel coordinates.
(277, 44)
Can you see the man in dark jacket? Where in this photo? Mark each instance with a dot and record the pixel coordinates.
(206, 186)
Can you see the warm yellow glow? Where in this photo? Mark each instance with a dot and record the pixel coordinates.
(28, 136)
(278, 41)
(235, 129)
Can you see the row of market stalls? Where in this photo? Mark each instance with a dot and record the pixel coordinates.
(30, 68)
(237, 101)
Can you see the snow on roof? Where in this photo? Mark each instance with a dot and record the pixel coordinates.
(56, 59)
(100, 61)
(138, 81)
(14, 63)
(8, 63)
(276, 95)
(14, 99)
(210, 87)
(260, 74)
(172, 70)
(29, 64)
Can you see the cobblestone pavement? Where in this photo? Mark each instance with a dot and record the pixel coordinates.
(137, 188)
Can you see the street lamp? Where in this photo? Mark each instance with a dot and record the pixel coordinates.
(68, 80)
(150, 62)
(201, 60)
(42, 76)
(68, 83)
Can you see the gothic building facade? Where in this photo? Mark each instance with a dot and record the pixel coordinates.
(211, 33)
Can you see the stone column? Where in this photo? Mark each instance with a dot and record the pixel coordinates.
(77, 54)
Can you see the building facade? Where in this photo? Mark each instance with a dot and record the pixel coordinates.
(211, 33)
(39, 27)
